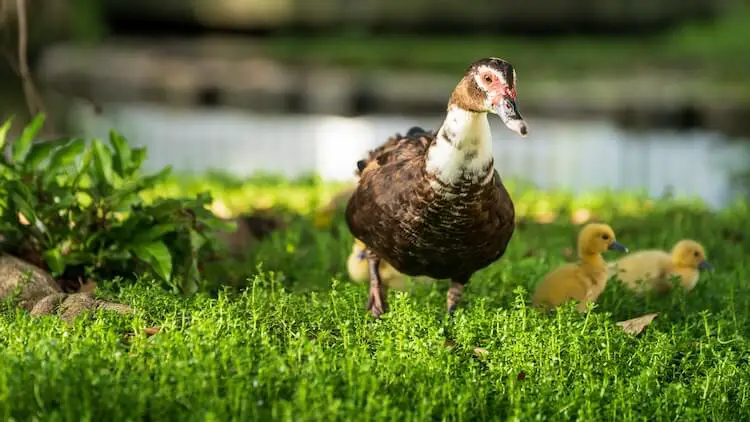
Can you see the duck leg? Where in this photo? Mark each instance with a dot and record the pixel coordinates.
(377, 303)
(455, 292)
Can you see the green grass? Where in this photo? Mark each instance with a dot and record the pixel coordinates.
(714, 49)
(296, 344)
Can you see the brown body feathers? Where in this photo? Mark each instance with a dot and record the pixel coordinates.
(402, 219)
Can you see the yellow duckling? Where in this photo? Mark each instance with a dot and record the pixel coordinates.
(652, 269)
(323, 217)
(359, 270)
(584, 280)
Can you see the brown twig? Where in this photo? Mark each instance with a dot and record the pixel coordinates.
(64, 92)
(3, 12)
(33, 101)
(19, 64)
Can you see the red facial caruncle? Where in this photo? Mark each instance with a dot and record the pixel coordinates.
(496, 87)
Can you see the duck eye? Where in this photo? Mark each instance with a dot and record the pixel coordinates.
(696, 254)
(488, 78)
(605, 236)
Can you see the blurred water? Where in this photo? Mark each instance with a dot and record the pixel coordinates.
(575, 155)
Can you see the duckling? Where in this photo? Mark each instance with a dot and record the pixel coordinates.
(358, 269)
(323, 216)
(431, 203)
(359, 272)
(584, 280)
(251, 228)
(652, 269)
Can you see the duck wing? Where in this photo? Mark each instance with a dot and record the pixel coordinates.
(387, 180)
(505, 212)
(396, 148)
(396, 213)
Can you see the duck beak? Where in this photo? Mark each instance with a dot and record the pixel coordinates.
(617, 246)
(508, 112)
(704, 265)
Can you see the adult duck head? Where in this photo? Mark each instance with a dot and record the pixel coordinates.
(461, 154)
(489, 86)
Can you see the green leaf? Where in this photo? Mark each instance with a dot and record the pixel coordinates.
(79, 258)
(65, 155)
(4, 132)
(124, 197)
(55, 261)
(152, 180)
(23, 144)
(197, 240)
(122, 163)
(217, 224)
(122, 202)
(137, 155)
(87, 157)
(39, 152)
(155, 232)
(118, 255)
(22, 188)
(21, 205)
(157, 255)
(103, 161)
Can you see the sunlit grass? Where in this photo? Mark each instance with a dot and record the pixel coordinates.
(297, 344)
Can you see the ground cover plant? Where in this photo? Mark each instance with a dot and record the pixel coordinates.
(293, 342)
(297, 344)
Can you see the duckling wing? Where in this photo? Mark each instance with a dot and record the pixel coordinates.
(648, 267)
(562, 284)
(688, 277)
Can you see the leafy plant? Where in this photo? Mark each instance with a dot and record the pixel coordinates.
(74, 208)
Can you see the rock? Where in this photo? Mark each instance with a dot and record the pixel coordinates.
(76, 303)
(69, 306)
(48, 304)
(39, 293)
(31, 282)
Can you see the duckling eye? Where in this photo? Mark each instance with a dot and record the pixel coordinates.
(605, 236)
(696, 254)
(488, 78)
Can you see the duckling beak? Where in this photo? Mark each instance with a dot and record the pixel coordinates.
(508, 112)
(704, 265)
(617, 246)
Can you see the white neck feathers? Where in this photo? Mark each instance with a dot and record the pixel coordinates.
(462, 151)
